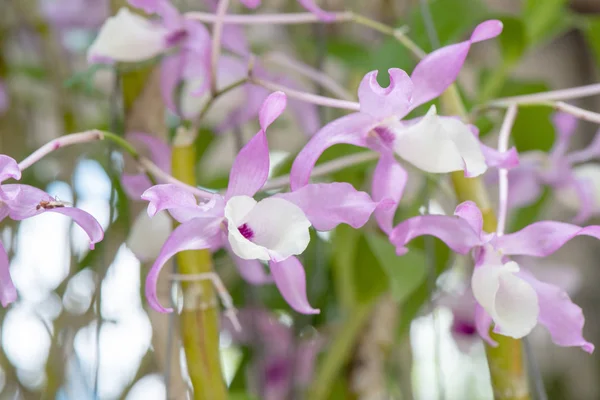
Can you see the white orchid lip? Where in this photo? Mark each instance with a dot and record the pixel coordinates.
(272, 229)
(509, 300)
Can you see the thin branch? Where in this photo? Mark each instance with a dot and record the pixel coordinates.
(266, 19)
(216, 44)
(509, 120)
(554, 95)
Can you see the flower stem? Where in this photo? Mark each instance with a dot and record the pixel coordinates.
(554, 95)
(503, 140)
(200, 315)
(216, 44)
(506, 361)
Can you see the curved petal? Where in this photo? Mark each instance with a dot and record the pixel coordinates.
(563, 319)
(482, 324)
(272, 229)
(541, 239)
(565, 125)
(310, 5)
(127, 37)
(469, 212)
(171, 74)
(496, 159)
(326, 205)
(9, 168)
(290, 279)
(349, 129)
(253, 271)
(510, 301)
(389, 181)
(182, 205)
(8, 291)
(250, 169)
(439, 69)
(160, 152)
(381, 102)
(456, 232)
(592, 151)
(27, 201)
(587, 200)
(147, 235)
(135, 185)
(195, 234)
(440, 145)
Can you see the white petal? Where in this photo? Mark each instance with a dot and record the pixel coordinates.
(128, 37)
(147, 235)
(440, 145)
(591, 174)
(511, 302)
(279, 228)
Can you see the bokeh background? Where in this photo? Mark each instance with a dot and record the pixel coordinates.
(81, 328)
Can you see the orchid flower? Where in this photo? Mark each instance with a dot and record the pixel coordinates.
(576, 182)
(128, 37)
(309, 5)
(432, 143)
(509, 296)
(19, 202)
(274, 229)
(147, 234)
(283, 362)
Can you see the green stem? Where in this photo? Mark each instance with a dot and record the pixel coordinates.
(506, 361)
(200, 315)
(340, 351)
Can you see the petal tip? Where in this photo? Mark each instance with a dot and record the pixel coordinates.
(486, 30)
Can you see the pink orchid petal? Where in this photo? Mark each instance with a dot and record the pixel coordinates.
(494, 158)
(524, 187)
(195, 234)
(310, 5)
(160, 152)
(587, 199)
(251, 3)
(326, 205)
(563, 318)
(350, 129)
(135, 185)
(543, 238)
(456, 232)
(9, 168)
(8, 291)
(234, 40)
(290, 279)
(271, 109)
(171, 74)
(25, 203)
(181, 204)
(389, 181)
(482, 322)
(439, 69)
(592, 151)
(469, 211)
(167, 11)
(385, 102)
(253, 271)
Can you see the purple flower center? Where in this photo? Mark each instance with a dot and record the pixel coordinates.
(175, 37)
(386, 135)
(246, 231)
(463, 327)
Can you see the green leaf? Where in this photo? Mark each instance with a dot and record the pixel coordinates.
(405, 273)
(513, 40)
(591, 30)
(544, 18)
(370, 280)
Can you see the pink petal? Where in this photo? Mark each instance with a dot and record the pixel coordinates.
(271, 109)
(160, 152)
(327, 205)
(25, 201)
(250, 168)
(9, 168)
(350, 129)
(524, 187)
(482, 323)
(456, 232)
(389, 181)
(563, 318)
(290, 279)
(585, 192)
(171, 74)
(310, 5)
(8, 292)
(251, 3)
(469, 212)
(494, 158)
(180, 203)
(439, 69)
(195, 234)
(587, 154)
(385, 102)
(565, 124)
(542, 238)
(135, 185)
(253, 271)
